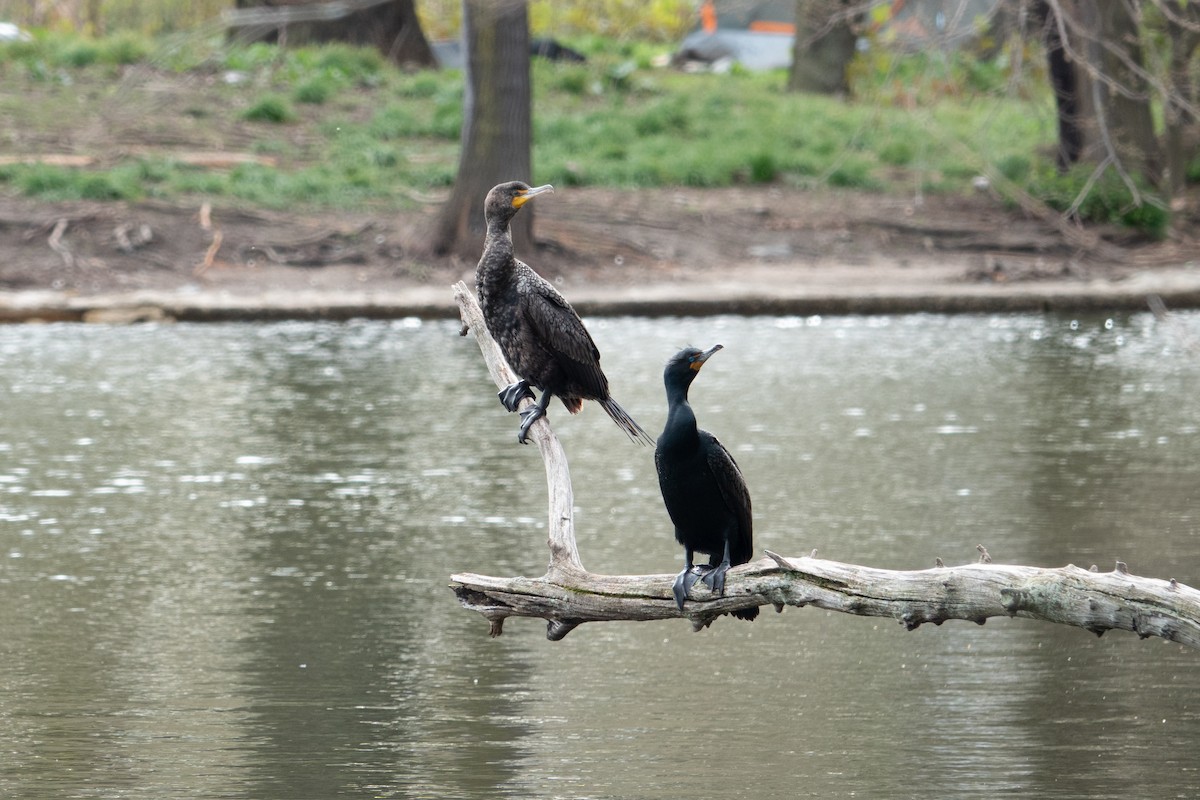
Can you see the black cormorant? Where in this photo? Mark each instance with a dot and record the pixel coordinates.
(540, 335)
(702, 487)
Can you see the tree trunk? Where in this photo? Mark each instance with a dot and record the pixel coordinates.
(568, 595)
(497, 132)
(1125, 93)
(824, 47)
(1180, 117)
(1105, 103)
(390, 26)
(1063, 81)
(95, 20)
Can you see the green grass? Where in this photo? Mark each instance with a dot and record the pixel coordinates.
(664, 127)
(348, 130)
(269, 108)
(60, 183)
(1109, 199)
(315, 91)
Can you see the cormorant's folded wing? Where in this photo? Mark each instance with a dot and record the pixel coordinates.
(735, 494)
(560, 331)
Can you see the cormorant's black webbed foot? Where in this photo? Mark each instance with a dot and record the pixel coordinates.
(684, 582)
(512, 395)
(532, 415)
(714, 578)
(528, 417)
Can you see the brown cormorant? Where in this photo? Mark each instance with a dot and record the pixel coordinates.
(540, 335)
(702, 487)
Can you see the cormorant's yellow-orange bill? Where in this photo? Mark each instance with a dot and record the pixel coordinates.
(699, 360)
(525, 196)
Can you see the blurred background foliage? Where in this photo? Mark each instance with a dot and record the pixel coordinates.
(336, 126)
(653, 20)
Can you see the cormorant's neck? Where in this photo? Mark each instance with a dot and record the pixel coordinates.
(499, 236)
(677, 392)
(680, 430)
(498, 223)
(495, 263)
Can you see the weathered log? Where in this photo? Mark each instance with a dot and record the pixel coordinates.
(568, 595)
(390, 26)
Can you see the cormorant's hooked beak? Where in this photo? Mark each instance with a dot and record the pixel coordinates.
(526, 194)
(699, 360)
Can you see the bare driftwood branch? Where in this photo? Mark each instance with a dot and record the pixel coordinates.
(564, 554)
(568, 595)
(210, 254)
(56, 243)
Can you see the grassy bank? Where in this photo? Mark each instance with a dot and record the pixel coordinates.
(336, 127)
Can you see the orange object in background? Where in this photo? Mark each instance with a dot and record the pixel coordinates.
(767, 26)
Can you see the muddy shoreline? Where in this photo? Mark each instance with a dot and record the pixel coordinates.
(760, 250)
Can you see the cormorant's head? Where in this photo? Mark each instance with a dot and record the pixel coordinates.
(503, 201)
(685, 365)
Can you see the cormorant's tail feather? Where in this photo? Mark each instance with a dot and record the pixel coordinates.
(627, 423)
(747, 614)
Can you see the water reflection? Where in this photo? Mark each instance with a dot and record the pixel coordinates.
(226, 548)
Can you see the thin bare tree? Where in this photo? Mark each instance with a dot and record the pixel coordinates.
(1108, 79)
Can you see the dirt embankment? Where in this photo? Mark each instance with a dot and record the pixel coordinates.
(638, 251)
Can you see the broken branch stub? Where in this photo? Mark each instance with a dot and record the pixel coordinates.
(568, 595)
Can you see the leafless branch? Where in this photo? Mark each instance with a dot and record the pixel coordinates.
(1071, 33)
(56, 243)
(568, 595)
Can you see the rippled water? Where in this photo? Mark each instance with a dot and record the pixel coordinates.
(225, 550)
